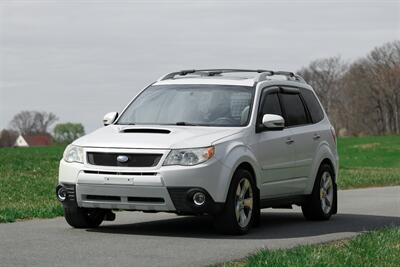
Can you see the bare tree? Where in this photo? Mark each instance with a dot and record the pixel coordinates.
(372, 87)
(23, 122)
(363, 97)
(357, 116)
(33, 122)
(43, 121)
(383, 65)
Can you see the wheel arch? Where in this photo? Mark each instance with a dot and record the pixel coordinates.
(239, 156)
(247, 166)
(328, 162)
(323, 156)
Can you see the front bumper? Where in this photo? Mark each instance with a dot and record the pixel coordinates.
(159, 188)
(142, 198)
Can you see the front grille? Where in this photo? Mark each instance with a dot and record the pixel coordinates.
(134, 160)
(100, 198)
(103, 198)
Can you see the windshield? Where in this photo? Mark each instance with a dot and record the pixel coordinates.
(203, 105)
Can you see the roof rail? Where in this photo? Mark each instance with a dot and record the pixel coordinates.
(262, 74)
(205, 72)
(289, 75)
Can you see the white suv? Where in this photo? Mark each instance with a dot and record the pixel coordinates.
(223, 142)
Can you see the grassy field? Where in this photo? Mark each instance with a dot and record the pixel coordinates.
(378, 248)
(369, 161)
(28, 176)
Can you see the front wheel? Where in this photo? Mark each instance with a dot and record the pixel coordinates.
(321, 204)
(83, 217)
(240, 208)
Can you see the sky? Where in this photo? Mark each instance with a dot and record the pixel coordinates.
(82, 59)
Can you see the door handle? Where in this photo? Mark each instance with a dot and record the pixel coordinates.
(289, 140)
(316, 136)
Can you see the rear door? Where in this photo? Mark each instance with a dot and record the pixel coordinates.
(298, 120)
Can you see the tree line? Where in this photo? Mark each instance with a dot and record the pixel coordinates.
(360, 97)
(39, 123)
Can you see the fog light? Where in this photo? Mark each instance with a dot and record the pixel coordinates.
(61, 193)
(199, 198)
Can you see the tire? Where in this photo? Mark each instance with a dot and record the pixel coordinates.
(84, 218)
(322, 202)
(240, 208)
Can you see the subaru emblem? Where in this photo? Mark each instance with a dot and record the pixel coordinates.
(122, 158)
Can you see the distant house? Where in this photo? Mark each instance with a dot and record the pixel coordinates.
(33, 140)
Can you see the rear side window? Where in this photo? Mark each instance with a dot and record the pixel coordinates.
(313, 106)
(294, 109)
(271, 105)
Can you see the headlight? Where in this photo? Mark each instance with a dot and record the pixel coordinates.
(189, 157)
(73, 154)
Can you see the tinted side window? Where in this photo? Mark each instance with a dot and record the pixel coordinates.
(313, 106)
(294, 109)
(271, 105)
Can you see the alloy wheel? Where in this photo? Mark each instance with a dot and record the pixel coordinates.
(244, 202)
(326, 192)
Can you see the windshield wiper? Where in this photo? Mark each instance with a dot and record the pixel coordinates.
(182, 123)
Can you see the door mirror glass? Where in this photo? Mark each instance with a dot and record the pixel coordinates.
(273, 122)
(109, 118)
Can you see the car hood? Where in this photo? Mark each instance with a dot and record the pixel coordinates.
(155, 137)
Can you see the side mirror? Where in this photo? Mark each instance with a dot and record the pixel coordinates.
(109, 118)
(273, 122)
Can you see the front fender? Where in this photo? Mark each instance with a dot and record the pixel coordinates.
(236, 153)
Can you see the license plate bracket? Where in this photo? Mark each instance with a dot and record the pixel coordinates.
(118, 180)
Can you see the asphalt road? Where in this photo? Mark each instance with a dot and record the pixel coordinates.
(139, 239)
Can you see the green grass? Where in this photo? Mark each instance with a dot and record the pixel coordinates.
(28, 176)
(377, 248)
(369, 161)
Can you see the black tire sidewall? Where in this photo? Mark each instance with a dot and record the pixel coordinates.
(78, 217)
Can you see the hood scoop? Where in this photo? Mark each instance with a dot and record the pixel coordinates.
(144, 130)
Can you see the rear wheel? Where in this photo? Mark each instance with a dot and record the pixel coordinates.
(239, 211)
(83, 217)
(321, 204)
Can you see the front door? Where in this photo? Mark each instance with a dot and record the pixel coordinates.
(274, 151)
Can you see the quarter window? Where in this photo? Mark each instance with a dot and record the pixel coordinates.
(313, 106)
(294, 110)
